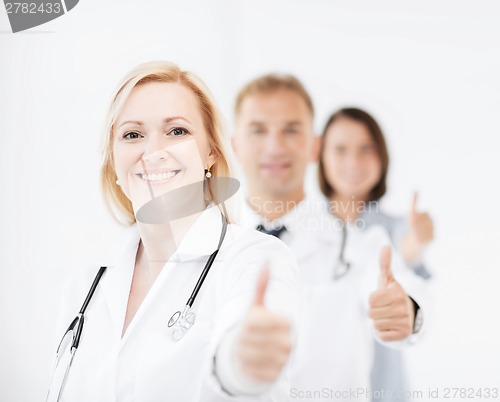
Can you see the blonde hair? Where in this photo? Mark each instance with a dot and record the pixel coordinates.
(270, 83)
(157, 71)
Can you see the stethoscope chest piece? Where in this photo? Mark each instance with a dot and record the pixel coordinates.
(181, 323)
(174, 318)
(341, 269)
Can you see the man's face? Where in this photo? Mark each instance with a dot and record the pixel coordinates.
(274, 141)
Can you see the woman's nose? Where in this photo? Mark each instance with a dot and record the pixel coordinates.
(155, 156)
(353, 160)
(155, 151)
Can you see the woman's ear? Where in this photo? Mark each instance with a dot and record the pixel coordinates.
(212, 157)
(316, 148)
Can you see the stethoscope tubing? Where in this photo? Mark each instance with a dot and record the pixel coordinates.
(208, 265)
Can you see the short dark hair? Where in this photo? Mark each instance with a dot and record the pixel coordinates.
(378, 138)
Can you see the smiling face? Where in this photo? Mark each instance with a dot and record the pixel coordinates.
(351, 162)
(274, 141)
(159, 142)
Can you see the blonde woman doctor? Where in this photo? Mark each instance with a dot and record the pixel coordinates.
(187, 306)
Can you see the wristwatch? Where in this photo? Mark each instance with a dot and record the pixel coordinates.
(418, 318)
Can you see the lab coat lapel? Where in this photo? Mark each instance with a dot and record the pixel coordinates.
(118, 278)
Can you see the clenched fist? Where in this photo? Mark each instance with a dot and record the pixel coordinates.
(391, 309)
(265, 343)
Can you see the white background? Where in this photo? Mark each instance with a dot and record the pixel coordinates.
(428, 70)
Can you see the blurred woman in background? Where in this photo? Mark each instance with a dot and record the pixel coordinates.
(352, 172)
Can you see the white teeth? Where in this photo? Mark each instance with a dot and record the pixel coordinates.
(158, 176)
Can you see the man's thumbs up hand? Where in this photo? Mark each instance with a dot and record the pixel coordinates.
(262, 283)
(265, 343)
(391, 309)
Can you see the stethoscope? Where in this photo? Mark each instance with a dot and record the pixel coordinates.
(342, 266)
(72, 338)
(181, 322)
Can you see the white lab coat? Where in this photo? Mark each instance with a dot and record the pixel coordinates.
(335, 349)
(146, 364)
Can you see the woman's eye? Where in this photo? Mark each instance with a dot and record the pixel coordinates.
(339, 150)
(368, 150)
(132, 135)
(178, 132)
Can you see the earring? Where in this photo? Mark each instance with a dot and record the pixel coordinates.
(117, 182)
(208, 175)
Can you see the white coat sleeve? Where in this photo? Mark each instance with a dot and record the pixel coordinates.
(226, 381)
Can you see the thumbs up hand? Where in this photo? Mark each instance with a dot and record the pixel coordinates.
(265, 343)
(421, 232)
(391, 309)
